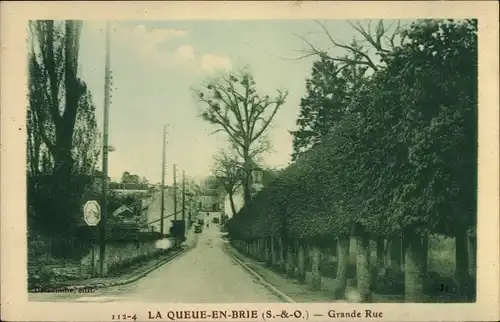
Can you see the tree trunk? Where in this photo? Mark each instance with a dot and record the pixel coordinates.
(353, 250)
(414, 268)
(274, 258)
(380, 254)
(462, 265)
(425, 254)
(343, 246)
(290, 267)
(315, 258)
(363, 271)
(263, 249)
(231, 201)
(262, 242)
(301, 263)
(282, 254)
(395, 255)
(247, 182)
(471, 250)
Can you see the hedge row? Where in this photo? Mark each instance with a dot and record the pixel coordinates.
(403, 160)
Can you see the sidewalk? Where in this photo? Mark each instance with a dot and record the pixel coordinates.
(301, 293)
(291, 287)
(129, 274)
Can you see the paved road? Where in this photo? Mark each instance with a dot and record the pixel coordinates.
(203, 275)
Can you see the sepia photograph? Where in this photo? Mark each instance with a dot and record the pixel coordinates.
(224, 161)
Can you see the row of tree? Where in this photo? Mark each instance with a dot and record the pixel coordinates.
(386, 149)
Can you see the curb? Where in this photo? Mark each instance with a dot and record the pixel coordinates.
(262, 281)
(124, 282)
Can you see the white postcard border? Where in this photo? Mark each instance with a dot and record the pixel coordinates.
(14, 16)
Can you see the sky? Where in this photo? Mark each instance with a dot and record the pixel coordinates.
(157, 64)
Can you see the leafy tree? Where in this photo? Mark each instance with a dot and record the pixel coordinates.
(127, 177)
(336, 80)
(436, 75)
(62, 135)
(234, 106)
(329, 91)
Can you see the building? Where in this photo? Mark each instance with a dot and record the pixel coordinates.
(209, 203)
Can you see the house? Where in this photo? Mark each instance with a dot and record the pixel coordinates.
(210, 203)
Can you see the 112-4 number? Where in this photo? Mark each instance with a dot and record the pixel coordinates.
(123, 317)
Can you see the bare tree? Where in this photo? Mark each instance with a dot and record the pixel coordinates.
(232, 104)
(227, 171)
(382, 40)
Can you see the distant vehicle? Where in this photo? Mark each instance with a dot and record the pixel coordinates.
(215, 220)
(198, 229)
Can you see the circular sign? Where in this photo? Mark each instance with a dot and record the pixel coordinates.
(92, 213)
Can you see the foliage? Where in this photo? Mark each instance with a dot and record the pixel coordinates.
(128, 178)
(329, 92)
(398, 152)
(62, 136)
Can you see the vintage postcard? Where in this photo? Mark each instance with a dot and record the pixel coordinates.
(250, 161)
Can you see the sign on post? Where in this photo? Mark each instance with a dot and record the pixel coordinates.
(92, 213)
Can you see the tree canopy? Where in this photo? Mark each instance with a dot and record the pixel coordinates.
(398, 152)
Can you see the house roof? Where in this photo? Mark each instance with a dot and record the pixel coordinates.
(121, 210)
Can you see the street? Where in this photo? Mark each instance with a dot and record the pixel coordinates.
(203, 275)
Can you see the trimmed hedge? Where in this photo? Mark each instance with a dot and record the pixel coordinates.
(399, 160)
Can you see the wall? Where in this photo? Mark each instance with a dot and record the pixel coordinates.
(116, 254)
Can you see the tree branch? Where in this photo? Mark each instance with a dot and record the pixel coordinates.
(279, 102)
(350, 48)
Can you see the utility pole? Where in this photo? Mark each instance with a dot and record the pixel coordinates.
(163, 180)
(175, 204)
(107, 77)
(183, 196)
(175, 192)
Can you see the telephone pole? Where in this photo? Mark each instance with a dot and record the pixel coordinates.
(107, 77)
(175, 192)
(183, 196)
(162, 193)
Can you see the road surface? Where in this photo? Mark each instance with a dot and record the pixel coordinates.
(204, 274)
